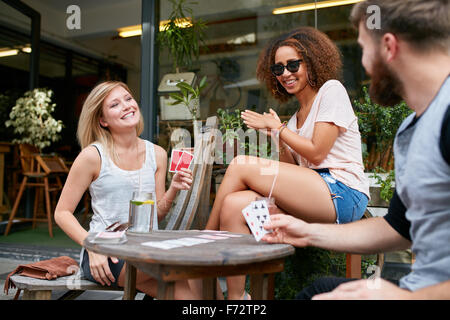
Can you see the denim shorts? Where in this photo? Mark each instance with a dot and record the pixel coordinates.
(349, 203)
(115, 268)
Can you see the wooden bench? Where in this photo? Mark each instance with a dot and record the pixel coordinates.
(190, 210)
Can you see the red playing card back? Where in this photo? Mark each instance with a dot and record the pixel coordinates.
(175, 159)
(185, 161)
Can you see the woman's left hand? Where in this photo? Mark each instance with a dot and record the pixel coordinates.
(182, 180)
(269, 121)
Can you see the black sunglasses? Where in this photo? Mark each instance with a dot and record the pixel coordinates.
(292, 66)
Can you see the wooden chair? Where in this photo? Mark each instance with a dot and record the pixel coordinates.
(376, 208)
(39, 172)
(190, 210)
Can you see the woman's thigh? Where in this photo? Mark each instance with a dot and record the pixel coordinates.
(231, 218)
(298, 191)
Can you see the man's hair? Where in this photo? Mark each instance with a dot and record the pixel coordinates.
(423, 24)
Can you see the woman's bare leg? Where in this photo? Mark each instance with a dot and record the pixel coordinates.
(231, 221)
(299, 191)
(149, 285)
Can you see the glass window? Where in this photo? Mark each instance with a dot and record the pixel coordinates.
(235, 36)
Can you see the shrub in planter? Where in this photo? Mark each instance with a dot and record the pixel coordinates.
(378, 126)
(32, 120)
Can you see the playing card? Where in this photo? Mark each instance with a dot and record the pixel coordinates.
(193, 241)
(256, 214)
(160, 244)
(212, 237)
(228, 235)
(214, 231)
(175, 159)
(185, 161)
(250, 218)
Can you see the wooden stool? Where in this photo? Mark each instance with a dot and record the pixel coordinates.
(36, 171)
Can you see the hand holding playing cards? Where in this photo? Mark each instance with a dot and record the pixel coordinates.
(286, 229)
(182, 180)
(100, 268)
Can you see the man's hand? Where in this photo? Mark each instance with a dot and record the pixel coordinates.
(367, 289)
(286, 229)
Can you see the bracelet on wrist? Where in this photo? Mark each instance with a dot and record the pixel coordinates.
(282, 125)
(280, 128)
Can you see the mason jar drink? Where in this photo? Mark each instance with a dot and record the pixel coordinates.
(142, 212)
(272, 207)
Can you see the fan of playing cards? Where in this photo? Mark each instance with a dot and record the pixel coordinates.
(256, 214)
(180, 159)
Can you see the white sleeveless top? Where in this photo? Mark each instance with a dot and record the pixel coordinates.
(111, 192)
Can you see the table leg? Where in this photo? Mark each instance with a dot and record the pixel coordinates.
(166, 290)
(210, 288)
(129, 292)
(262, 286)
(353, 264)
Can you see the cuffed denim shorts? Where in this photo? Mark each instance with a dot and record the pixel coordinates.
(349, 203)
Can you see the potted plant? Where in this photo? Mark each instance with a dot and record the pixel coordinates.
(378, 126)
(182, 36)
(32, 121)
(189, 96)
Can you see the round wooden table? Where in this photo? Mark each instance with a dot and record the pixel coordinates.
(225, 257)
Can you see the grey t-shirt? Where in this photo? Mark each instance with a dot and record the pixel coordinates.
(423, 186)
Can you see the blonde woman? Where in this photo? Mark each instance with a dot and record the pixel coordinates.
(113, 163)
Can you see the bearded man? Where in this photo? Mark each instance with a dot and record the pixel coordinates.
(407, 58)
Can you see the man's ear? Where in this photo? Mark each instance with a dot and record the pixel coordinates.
(389, 44)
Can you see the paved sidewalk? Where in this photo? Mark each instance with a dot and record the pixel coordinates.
(13, 255)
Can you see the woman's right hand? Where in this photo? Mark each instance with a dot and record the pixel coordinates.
(100, 268)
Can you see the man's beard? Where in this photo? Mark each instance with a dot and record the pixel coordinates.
(385, 88)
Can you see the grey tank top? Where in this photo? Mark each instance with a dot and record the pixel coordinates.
(111, 192)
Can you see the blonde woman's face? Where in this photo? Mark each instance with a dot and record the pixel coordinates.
(119, 110)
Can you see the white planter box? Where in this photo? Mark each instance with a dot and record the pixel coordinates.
(176, 112)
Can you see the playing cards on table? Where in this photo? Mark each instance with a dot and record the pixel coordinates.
(256, 214)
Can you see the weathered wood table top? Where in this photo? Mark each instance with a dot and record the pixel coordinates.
(222, 257)
(230, 251)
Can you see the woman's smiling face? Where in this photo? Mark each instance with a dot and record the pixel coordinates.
(119, 110)
(293, 82)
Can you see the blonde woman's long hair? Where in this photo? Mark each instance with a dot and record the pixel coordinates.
(89, 128)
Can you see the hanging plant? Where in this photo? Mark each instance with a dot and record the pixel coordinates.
(182, 35)
(32, 120)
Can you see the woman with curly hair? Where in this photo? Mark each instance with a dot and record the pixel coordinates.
(320, 174)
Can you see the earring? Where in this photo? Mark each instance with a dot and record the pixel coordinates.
(311, 83)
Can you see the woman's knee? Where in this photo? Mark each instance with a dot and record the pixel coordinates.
(231, 208)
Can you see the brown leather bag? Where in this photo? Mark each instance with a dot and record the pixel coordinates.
(46, 269)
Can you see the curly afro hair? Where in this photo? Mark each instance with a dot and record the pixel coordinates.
(319, 53)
